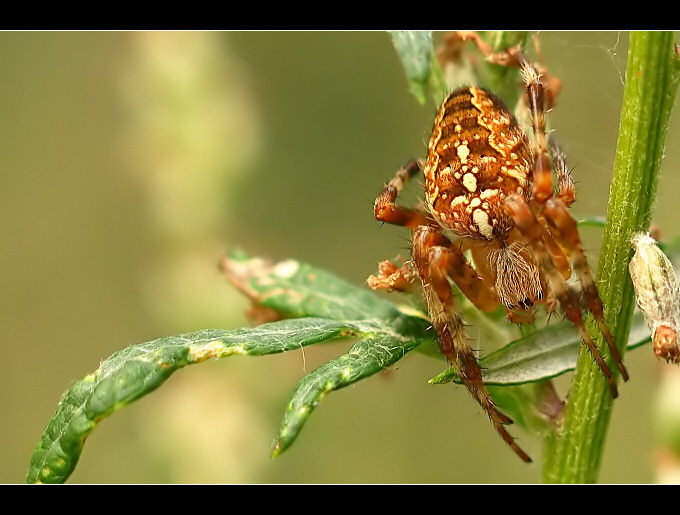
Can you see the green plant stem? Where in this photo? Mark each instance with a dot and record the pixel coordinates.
(573, 454)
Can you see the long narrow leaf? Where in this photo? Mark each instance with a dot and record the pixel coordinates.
(544, 354)
(368, 356)
(137, 370)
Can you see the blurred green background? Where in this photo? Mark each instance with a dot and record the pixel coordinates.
(131, 161)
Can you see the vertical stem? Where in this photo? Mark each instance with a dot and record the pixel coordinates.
(573, 455)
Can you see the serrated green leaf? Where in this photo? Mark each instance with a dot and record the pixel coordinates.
(139, 369)
(544, 354)
(367, 357)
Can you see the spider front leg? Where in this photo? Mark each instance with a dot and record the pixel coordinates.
(386, 210)
(433, 262)
(536, 235)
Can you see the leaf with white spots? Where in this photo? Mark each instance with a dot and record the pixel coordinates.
(296, 289)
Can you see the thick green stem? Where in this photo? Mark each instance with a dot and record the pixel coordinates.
(573, 455)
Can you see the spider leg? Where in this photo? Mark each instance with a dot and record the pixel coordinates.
(554, 85)
(563, 227)
(536, 235)
(386, 210)
(505, 58)
(542, 179)
(555, 212)
(389, 277)
(510, 57)
(565, 182)
(452, 260)
(431, 262)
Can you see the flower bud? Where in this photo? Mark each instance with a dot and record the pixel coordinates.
(657, 295)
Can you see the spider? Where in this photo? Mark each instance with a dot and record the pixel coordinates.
(489, 191)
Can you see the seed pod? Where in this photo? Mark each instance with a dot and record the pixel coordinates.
(657, 295)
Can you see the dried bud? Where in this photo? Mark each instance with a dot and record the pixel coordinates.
(657, 295)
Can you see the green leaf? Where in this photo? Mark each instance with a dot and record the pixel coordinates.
(423, 70)
(541, 355)
(502, 80)
(414, 48)
(523, 403)
(296, 289)
(387, 333)
(593, 221)
(333, 308)
(139, 369)
(367, 357)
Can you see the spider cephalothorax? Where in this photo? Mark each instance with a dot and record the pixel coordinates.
(488, 190)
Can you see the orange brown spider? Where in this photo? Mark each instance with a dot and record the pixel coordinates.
(489, 191)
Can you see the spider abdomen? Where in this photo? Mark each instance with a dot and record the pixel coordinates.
(478, 154)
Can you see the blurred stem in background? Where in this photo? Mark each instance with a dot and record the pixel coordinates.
(192, 131)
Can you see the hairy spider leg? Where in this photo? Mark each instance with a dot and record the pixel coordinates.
(554, 84)
(510, 57)
(386, 210)
(536, 235)
(454, 265)
(430, 260)
(452, 40)
(564, 229)
(561, 220)
(566, 191)
(542, 189)
(452, 339)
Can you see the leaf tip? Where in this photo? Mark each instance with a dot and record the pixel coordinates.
(419, 91)
(414, 48)
(277, 449)
(442, 378)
